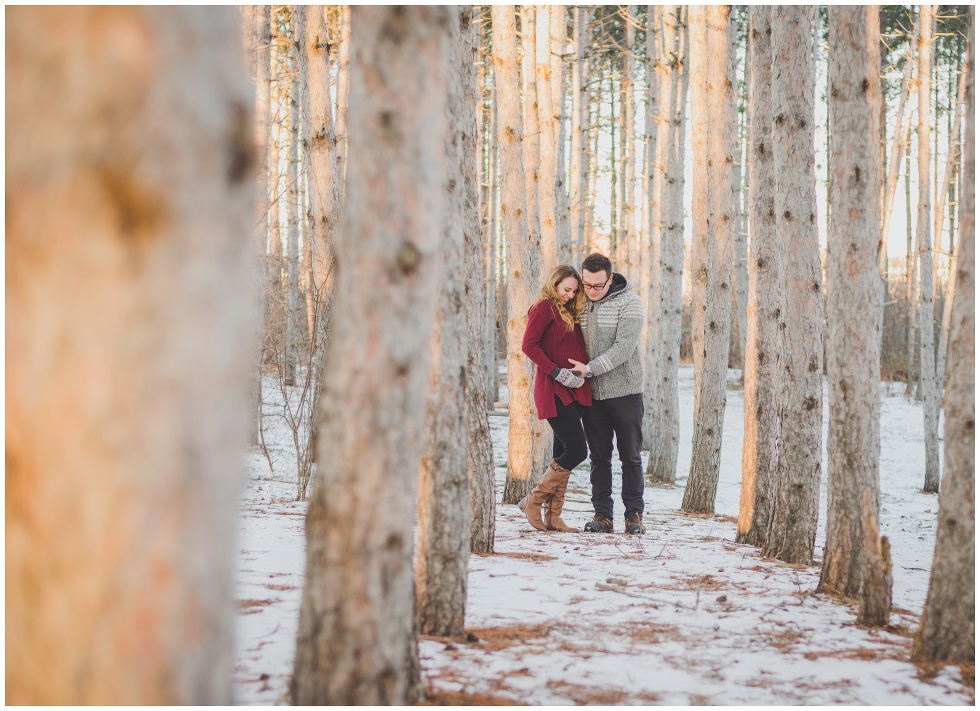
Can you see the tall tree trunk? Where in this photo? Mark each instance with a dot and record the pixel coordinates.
(319, 143)
(491, 251)
(547, 126)
(709, 417)
(343, 90)
(763, 349)
(558, 37)
(356, 641)
(657, 82)
(257, 18)
(952, 159)
(850, 566)
(578, 184)
(121, 485)
(662, 464)
(791, 535)
(520, 279)
(298, 72)
(478, 292)
(900, 138)
(699, 200)
(442, 550)
(614, 169)
(629, 248)
(911, 277)
(947, 631)
(923, 223)
(740, 267)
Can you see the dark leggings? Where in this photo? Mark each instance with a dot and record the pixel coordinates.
(570, 449)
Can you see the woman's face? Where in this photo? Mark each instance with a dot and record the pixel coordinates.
(567, 289)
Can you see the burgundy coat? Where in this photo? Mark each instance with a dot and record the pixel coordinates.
(549, 344)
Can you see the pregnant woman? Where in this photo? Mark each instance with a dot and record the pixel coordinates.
(553, 336)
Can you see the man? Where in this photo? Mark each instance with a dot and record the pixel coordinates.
(612, 323)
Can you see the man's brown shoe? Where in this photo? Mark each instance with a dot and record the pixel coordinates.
(599, 524)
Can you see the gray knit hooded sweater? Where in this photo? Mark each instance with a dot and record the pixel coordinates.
(612, 328)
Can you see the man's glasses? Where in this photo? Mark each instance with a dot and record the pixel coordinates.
(596, 287)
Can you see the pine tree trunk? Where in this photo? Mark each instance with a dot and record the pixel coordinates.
(547, 126)
(900, 138)
(791, 535)
(952, 159)
(628, 258)
(947, 631)
(853, 563)
(649, 284)
(343, 90)
(121, 484)
(558, 38)
(442, 549)
(290, 346)
(702, 483)
(356, 641)
(491, 248)
(911, 277)
(740, 267)
(699, 200)
(478, 290)
(927, 359)
(520, 280)
(763, 350)
(662, 465)
(578, 185)
(257, 18)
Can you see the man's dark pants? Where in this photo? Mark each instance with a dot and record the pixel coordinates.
(622, 416)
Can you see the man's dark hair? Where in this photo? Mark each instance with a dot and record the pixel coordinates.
(597, 262)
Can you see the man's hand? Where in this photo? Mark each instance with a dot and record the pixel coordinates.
(582, 368)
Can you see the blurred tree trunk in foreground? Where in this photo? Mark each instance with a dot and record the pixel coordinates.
(129, 314)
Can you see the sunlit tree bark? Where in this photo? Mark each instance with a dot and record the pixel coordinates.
(128, 371)
(793, 529)
(856, 560)
(948, 629)
(356, 642)
(702, 483)
(764, 312)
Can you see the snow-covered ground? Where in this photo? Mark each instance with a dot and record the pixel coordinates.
(682, 615)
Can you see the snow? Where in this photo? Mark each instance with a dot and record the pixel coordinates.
(682, 615)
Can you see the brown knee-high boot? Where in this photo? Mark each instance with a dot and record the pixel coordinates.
(552, 517)
(540, 495)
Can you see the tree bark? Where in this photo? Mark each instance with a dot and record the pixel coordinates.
(791, 535)
(853, 563)
(952, 159)
(628, 259)
(558, 37)
(129, 372)
(479, 448)
(578, 185)
(343, 90)
(662, 464)
(947, 631)
(356, 641)
(702, 483)
(290, 346)
(911, 277)
(520, 280)
(927, 354)
(547, 126)
(442, 549)
(763, 350)
(699, 200)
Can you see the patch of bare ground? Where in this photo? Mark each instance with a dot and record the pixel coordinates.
(649, 632)
(248, 607)
(494, 639)
(537, 557)
(597, 696)
(896, 653)
(785, 640)
(274, 586)
(440, 697)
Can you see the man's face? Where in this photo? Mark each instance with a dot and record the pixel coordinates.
(595, 284)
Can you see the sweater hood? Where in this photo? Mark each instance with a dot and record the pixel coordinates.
(618, 286)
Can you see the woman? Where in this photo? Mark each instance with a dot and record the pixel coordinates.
(553, 335)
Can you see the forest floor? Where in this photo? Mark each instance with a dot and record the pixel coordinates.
(682, 615)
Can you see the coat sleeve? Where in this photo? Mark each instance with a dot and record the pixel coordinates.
(539, 318)
(628, 330)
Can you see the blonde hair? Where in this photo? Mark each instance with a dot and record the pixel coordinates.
(571, 313)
